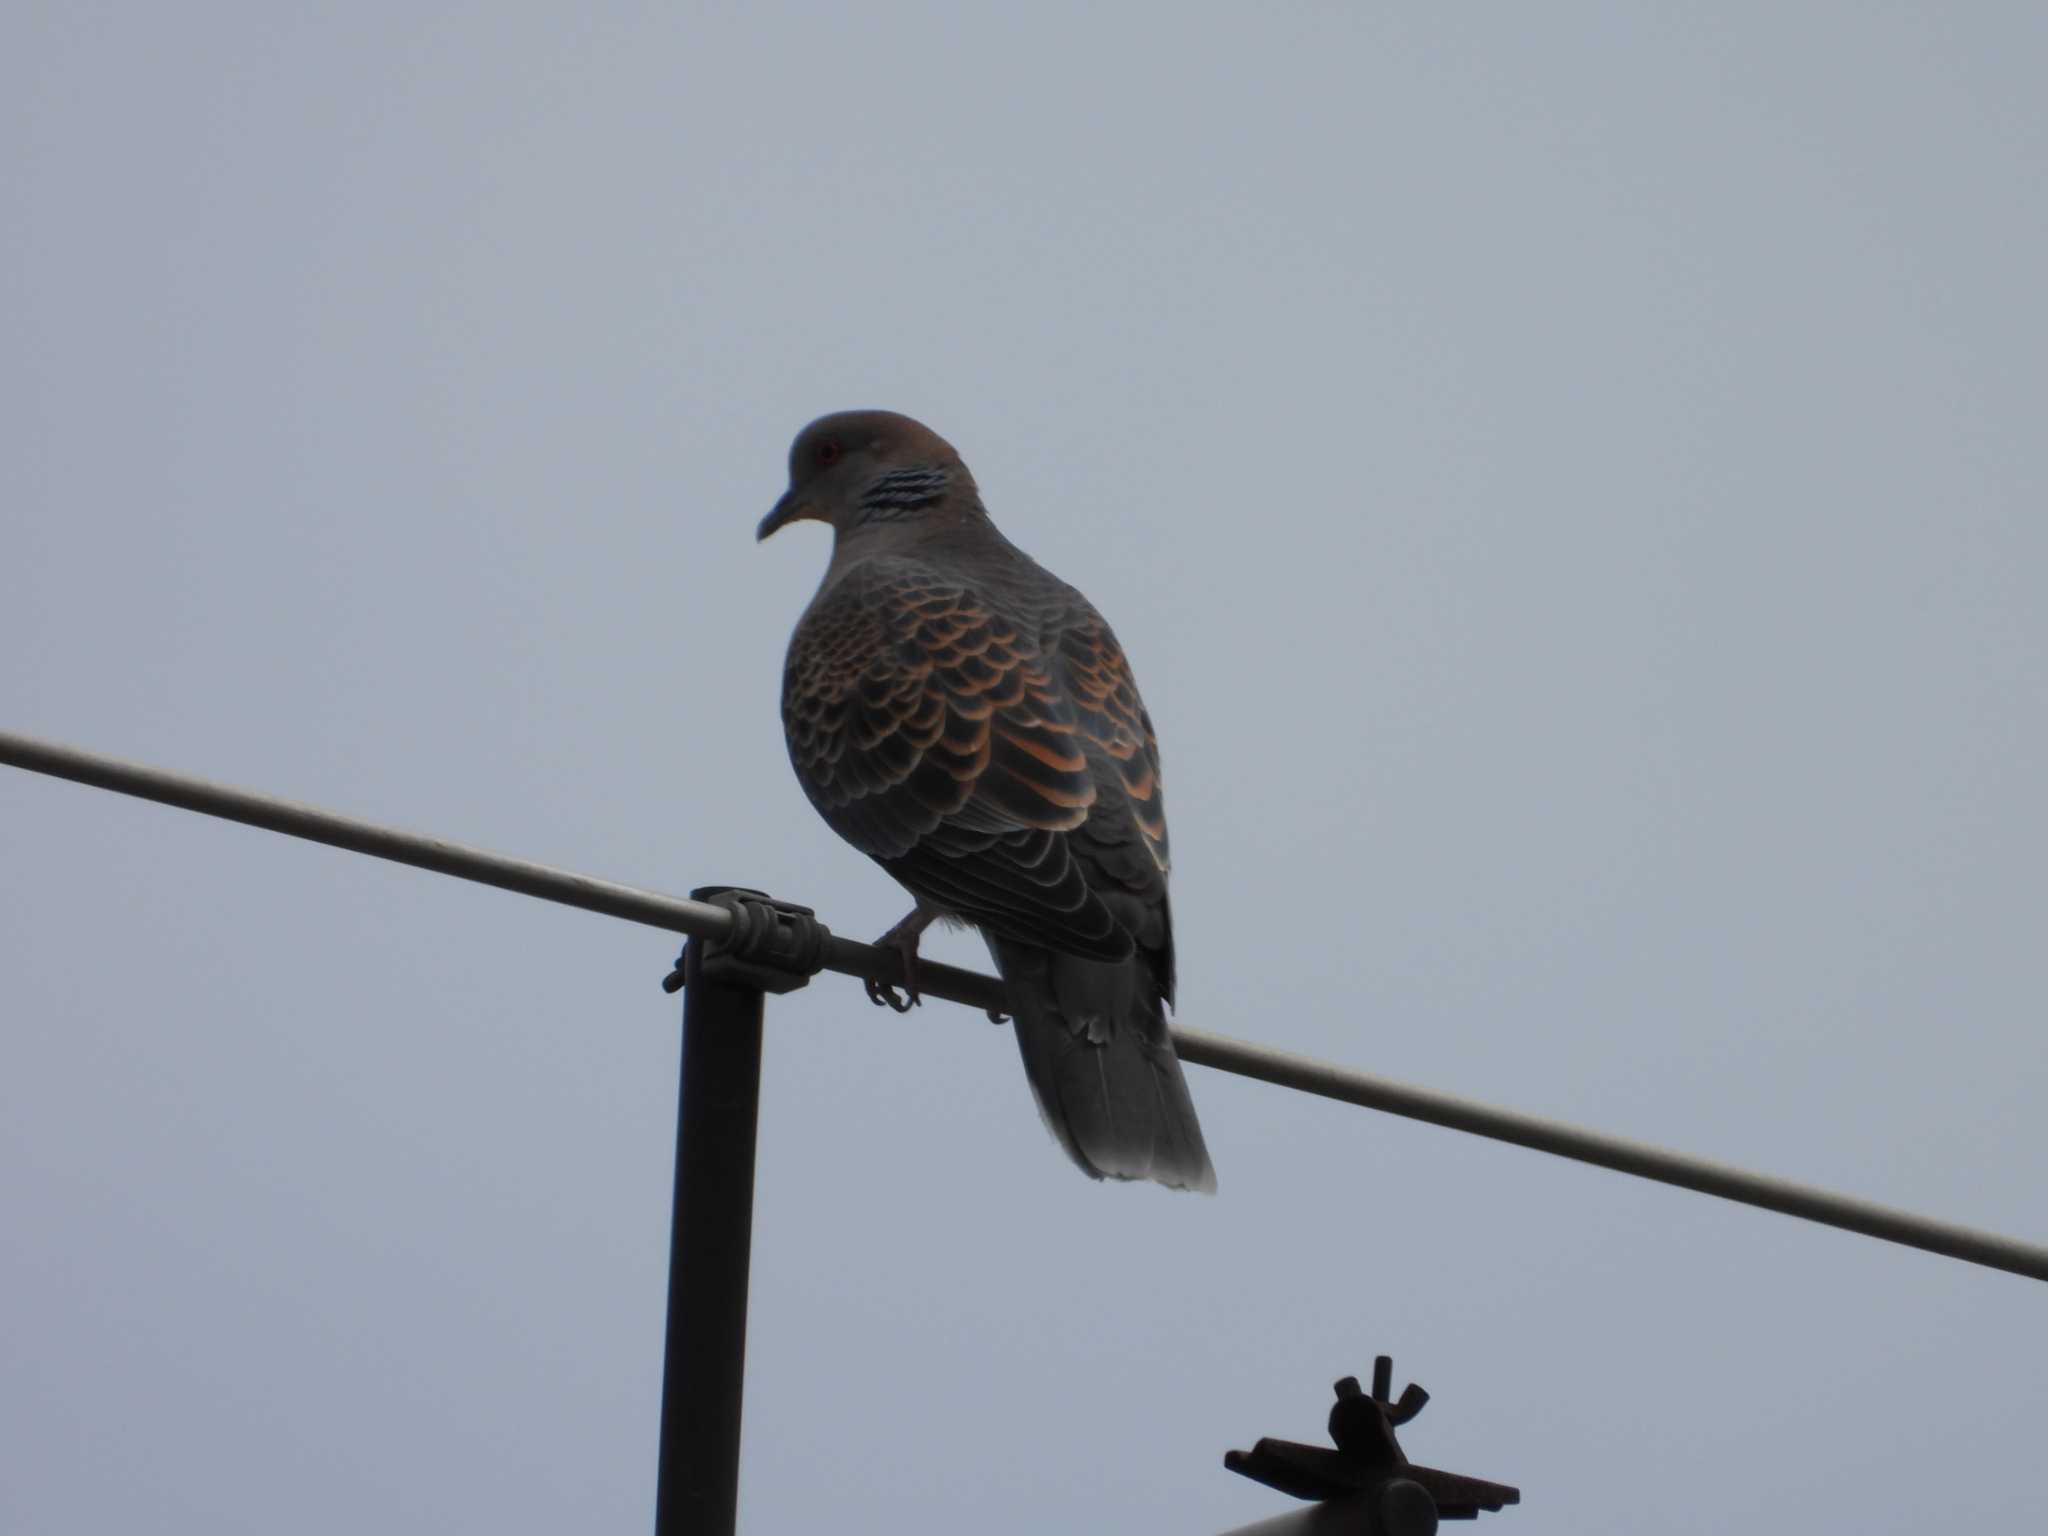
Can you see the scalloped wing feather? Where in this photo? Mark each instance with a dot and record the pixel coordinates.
(933, 734)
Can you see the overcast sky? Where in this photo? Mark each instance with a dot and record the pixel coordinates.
(1571, 481)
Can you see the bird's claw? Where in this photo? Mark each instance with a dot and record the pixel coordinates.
(903, 939)
(884, 994)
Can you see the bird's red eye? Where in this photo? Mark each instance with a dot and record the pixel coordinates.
(828, 453)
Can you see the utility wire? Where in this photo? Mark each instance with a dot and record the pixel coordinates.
(850, 958)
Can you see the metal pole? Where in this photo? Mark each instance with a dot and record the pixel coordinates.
(273, 813)
(1642, 1159)
(1198, 1047)
(710, 1235)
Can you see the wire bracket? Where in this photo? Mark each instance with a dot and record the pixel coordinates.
(773, 946)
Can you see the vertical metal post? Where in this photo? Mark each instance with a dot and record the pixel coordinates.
(710, 1232)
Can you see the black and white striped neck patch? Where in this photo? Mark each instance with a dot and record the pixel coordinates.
(901, 491)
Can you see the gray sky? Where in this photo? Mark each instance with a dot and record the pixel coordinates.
(1571, 481)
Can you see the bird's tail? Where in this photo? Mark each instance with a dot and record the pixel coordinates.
(1101, 1064)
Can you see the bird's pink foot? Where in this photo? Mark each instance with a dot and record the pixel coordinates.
(903, 939)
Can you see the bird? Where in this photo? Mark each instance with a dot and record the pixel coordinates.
(968, 720)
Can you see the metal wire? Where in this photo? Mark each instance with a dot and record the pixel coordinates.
(1196, 1046)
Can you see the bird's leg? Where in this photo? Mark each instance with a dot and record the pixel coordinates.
(903, 939)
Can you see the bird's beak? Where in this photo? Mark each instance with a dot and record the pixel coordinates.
(791, 509)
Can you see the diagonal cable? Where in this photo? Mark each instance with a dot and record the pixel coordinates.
(851, 958)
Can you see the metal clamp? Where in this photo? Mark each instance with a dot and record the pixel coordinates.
(1368, 1475)
(772, 946)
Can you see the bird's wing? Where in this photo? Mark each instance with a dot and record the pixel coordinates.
(1112, 716)
(933, 733)
(1123, 848)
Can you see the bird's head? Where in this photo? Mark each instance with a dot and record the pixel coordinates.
(856, 469)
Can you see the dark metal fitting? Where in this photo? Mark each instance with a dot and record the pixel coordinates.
(1368, 1475)
(772, 946)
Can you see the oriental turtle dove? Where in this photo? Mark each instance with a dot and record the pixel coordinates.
(967, 719)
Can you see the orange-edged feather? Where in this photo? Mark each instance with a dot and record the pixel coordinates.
(936, 737)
